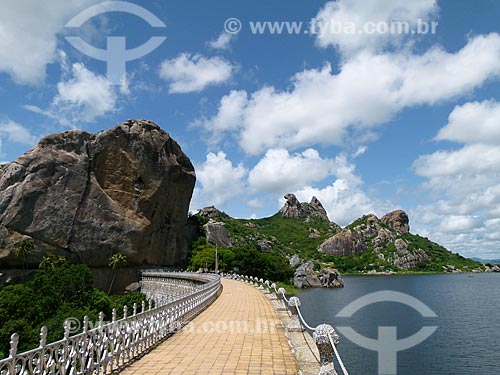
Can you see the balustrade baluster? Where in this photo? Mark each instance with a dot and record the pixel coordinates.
(294, 325)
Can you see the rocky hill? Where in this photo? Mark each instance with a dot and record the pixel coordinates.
(302, 233)
(87, 196)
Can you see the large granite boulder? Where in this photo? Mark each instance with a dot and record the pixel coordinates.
(306, 277)
(87, 196)
(346, 242)
(397, 220)
(217, 234)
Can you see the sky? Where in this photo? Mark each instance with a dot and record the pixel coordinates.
(341, 105)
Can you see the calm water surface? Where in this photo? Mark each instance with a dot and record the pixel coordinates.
(468, 308)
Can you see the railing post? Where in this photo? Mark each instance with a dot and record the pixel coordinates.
(261, 282)
(326, 353)
(14, 340)
(85, 324)
(43, 336)
(294, 325)
(281, 299)
(273, 293)
(266, 289)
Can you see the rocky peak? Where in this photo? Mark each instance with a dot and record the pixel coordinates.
(211, 213)
(294, 209)
(397, 220)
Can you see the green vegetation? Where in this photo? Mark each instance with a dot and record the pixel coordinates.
(243, 258)
(116, 261)
(438, 258)
(303, 237)
(57, 292)
(52, 261)
(24, 249)
(289, 236)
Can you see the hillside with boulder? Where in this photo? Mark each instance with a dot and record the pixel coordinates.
(319, 250)
(87, 196)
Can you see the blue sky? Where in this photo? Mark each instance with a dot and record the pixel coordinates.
(366, 121)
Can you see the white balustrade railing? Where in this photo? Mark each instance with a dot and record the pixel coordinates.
(324, 335)
(110, 346)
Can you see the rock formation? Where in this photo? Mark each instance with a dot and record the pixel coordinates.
(306, 277)
(216, 234)
(397, 220)
(370, 232)
(211, 213)
(343, 243)
(265, 246)
(294, 209)
(87, 196)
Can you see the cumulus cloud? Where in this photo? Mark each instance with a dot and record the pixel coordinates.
(370, 89)
(352, 16)
(193, 73)
(344, 199)
(474, 122)
(220, 181)
(88, 94)
(279, 172)
(223, 41)
(29, 31)
(466, 182)
(16, 133)
(230, 113)
(83, 97)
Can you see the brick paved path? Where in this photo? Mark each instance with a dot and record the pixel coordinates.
(215, 342)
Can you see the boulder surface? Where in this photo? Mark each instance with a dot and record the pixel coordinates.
(87, 196)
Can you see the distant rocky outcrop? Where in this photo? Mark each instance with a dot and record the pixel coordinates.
(216, 234)
(87, 196)
(397, 220)
(211, 213)
(293, 209)
(306, 277)
(379, 235)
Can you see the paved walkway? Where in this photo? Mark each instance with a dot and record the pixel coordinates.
(239, 333)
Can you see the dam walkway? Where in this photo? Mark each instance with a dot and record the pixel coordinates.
(239, 333)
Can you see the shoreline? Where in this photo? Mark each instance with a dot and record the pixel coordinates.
(415, 273)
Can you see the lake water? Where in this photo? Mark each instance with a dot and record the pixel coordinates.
(468, 337)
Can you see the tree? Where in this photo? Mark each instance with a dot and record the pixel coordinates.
(116, 261)
(52, 261)
(24, 249)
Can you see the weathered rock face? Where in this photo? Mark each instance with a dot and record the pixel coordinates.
(216, 234)
(343, 243)
(370, 232)
(397, 220)
(306, 277)
(294, 209)
(265, 246)
(87, 196)
(210, 212)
